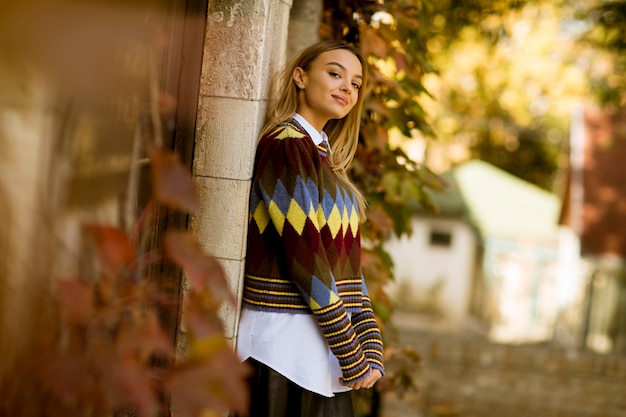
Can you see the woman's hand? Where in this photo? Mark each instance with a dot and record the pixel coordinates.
(368, 382)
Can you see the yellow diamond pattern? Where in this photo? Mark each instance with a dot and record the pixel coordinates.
(334, 221)
(289, 132)
(354, 220)
(314, 306)
(321, 219)
(296, 216)
(313, 216)
(278, 216)
(261, 217)
(333, 298)
(345, 221)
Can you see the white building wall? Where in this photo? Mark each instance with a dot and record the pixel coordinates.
(430, 277)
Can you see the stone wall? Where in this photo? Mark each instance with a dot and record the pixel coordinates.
(244, 45)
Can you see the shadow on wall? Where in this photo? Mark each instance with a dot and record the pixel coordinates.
(4, 239)
(24, 266)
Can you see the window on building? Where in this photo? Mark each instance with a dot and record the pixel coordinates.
(440, 238)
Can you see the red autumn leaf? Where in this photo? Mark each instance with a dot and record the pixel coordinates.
(380, 137)
(167, 104)
(401, 64)
(204, 271)
(125, 383)
(372, 43)
(114, 246)
(201, 324)
(68, 377)
(377, 135)
(75, 300)
(171, 181)
(380, 222)
(149, 258)
(144, 336)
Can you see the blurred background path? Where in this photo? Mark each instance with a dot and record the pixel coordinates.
(463, 374)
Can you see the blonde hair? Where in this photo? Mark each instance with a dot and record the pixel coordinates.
(343, 134)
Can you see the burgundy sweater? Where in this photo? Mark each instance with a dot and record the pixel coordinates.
(304, 248)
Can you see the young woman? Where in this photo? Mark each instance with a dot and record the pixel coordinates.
(307, 326)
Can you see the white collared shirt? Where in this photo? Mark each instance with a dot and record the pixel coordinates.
(318, 137)
(291, 344)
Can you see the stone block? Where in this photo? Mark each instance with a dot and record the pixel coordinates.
(229, 314)
(245, 44)
(303, 25)
(226, 137)
(276, 47)
(221, 224)
(234, 46)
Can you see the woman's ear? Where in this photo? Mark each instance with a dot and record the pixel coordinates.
(298, 77)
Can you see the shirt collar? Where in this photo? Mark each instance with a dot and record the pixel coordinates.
(317, 137)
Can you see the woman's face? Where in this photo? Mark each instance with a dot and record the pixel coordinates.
(329, 89)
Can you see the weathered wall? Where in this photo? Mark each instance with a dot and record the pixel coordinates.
(304, 24)
(25, 117)
(245, 43)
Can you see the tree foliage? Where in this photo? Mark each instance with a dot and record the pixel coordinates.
(394, 185)
(489, 79)
(510, 73)
(495, 80)
(423, 58)
(506, 89)
(606, 35)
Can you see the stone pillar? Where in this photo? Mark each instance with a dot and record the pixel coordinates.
(304, 24)
(245, 43)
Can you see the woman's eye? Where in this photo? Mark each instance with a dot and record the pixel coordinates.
(334, 74)
(356, 86)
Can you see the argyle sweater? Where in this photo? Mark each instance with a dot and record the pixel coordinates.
(304, 248)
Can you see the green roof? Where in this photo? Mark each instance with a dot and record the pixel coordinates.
(499, 204)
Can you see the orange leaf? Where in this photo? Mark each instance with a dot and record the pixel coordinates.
(377, 135)
(203, 325)
(203, 270)
(380, 222)
(401, 64)
(372, 43)
(125, 383)
(144, 336)
(114, 246)
(75, 300)
(67, 376)
(171, 181)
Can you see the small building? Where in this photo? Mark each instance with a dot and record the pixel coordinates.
(490, 253)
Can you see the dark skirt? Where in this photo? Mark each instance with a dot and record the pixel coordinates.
(273, 395)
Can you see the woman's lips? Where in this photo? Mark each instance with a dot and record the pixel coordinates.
(341, 99)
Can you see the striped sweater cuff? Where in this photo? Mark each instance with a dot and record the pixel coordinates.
(343, 341)
(369, 336)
